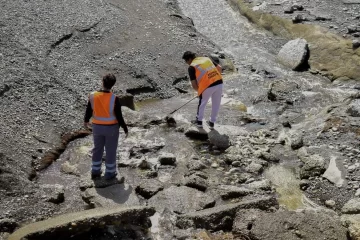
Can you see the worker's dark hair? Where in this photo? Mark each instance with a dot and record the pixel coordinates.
(109, 81)
(188, 55)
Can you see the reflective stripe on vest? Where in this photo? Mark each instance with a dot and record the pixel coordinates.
(101, 119)
(206, 73)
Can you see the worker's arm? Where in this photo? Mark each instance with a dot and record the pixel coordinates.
(88, 115)
(119, 116)
(194, 85)
(192, 76)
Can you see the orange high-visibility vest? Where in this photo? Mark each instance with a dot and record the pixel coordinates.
(206, 73)
(103, 104)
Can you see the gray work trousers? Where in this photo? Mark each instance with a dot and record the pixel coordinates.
(108, 137)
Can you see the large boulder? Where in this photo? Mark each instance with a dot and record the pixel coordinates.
(289, 225)
(69, 225)
(229, 191)
(333, 174)
(221, 217)
(220, 141)
(314, 165)
(149, 188)
(196, 133)
(294, 54)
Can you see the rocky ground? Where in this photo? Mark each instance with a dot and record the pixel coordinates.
(53, 54)
(281, 164)
(340, 16)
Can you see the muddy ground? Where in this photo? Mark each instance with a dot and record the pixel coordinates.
(53, 54)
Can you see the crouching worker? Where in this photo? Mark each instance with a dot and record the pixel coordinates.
(105, 109)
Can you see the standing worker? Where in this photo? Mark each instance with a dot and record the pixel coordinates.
(205, 77)
(105, 109)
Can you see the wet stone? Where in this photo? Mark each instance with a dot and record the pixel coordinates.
(270, 157)
(196, 165)
(313, 166)
(8, 225)
(196, 133)
(54, 193)
(221, 217)
(354, 108)
(260, 185)
(167, 159)
(181, 200)
(196, 182)
(296, 141)
(254, 168)
(289, 225)
(293, 54)
(229, 192)
(149, 188)
(330, 203)
(352, 206)
(221, 141)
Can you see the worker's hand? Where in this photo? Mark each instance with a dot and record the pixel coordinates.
(126, 134)
(87, 125)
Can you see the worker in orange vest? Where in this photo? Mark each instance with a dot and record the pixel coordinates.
(206, 79)
(105, 109)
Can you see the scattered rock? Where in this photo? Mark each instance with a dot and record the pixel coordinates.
(144, 164)
(352, 222)
(149, 188)
(233, 154)
(221, 217)
(145, 147)
(294, 54)
(254, 168)
(296, 141)
(54, 193)
(304, 184)
(229, 192)
(181, 200)
(151, 174)
(270, 157)
(8, 225)
(289, 10)
(196, 133)
(260, 185)
(357, 194)
(333, 174)
(218, 140)
(68, 168)
(352, 29)
(330, 203)
(299, 19)
(167, 159)
(352, 206)
(289, 225)
(196, 165)
(354, 108)
(196, 182)
(356, 44)
(313, 166)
